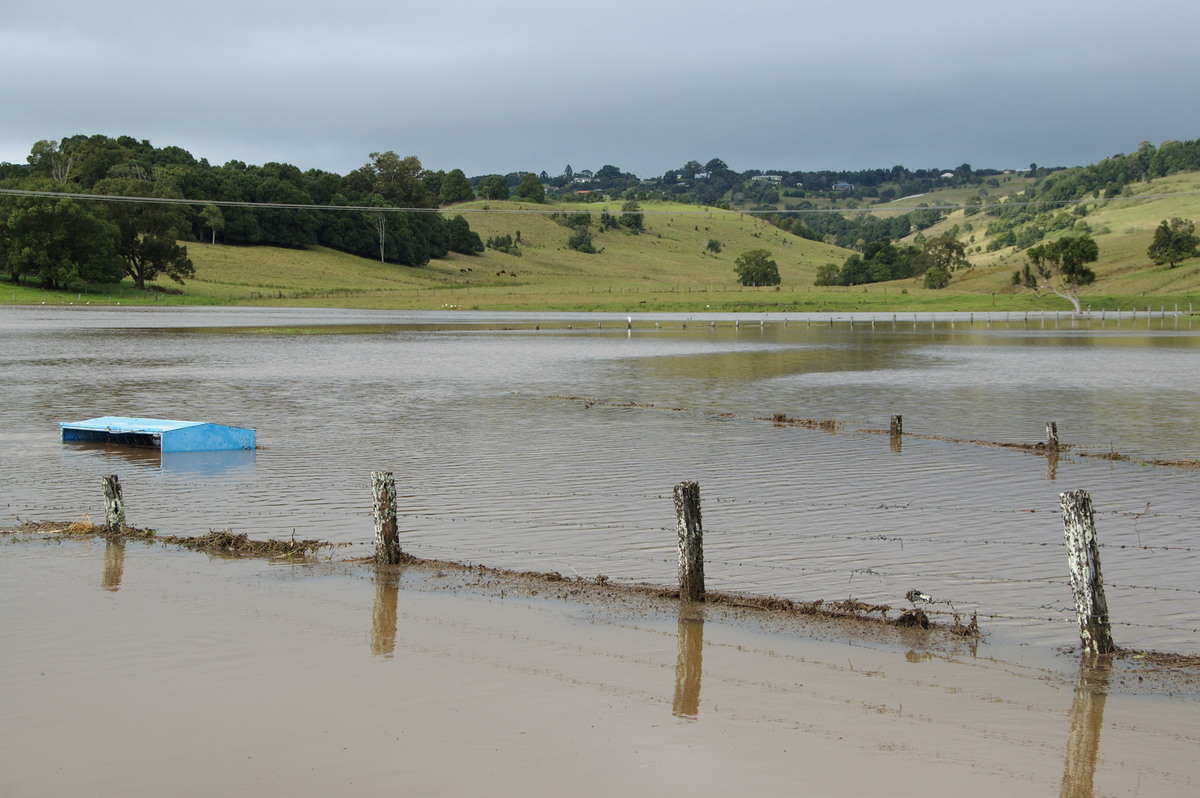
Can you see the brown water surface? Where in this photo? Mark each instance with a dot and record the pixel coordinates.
(165, 671)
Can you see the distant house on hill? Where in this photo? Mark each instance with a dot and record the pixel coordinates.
(843, 186)
(767, 178)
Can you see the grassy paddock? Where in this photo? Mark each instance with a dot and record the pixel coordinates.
(666, 268)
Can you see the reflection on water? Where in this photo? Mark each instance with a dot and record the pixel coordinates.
(689, 665)
(196, 464)
(114, 564)
(1087, 719)
(384, 613)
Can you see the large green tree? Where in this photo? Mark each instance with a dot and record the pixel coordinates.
(755, 267)
(494, 187)
(940, 257)
(1060, 267)
(462, 238)
(397, 180)
(48, 159)
(56, 242)
(531, 188)
(456, 188)
(1174, 242)
(632, 217)
(148, 232)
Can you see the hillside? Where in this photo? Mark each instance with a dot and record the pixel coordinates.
(669, 267)
(663, 267)
(1123, 227)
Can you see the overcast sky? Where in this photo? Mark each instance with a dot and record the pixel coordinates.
(525, 85)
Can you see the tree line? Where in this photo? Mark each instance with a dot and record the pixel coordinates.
(57, 242)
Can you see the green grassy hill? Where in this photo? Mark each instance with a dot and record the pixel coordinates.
(1122, 227)
(668, 267)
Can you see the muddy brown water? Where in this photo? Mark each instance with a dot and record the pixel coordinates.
(514, 444)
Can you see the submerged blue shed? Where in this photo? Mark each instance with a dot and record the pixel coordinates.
(158, 433)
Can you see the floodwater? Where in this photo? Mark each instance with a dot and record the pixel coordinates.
(552, 443)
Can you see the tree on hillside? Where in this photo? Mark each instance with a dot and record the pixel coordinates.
(1060, 267)
(828, 274)
(397, 180)
(213, 219)
(531, 188)
(462, 238)
(456, 188)
(47, 158)
(581, 241)
(1174, 242)
(940, 257)
(148, 232)
(632, 217)
(57, 243)
(494, 187)
(755, 267)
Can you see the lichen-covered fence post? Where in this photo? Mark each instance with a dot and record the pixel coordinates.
(387, 539)
(1083, 558)
(114, 504)
(896, 427)
(1052, 436)
(691, 541)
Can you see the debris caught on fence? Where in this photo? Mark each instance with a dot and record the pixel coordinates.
(219, 542)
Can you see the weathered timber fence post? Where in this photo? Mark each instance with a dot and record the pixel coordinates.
(387, 540)
(1083, 558)
(896, 434)
(114, 505)
(1052, 435)
(691, 541)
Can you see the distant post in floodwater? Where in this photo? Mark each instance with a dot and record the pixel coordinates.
(387, 539)
(896, 428)
(1052, 435)
(114, 505)
(1083, 559)
(691, 541)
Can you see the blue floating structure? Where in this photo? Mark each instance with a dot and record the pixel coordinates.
(158, 433)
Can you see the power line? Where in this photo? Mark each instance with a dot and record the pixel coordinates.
(546, 211)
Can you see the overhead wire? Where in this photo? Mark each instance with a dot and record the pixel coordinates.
(548, 211)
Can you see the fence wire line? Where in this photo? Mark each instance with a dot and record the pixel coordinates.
(852, 572)
(1068, 614)
(728, 534)
(867, 536)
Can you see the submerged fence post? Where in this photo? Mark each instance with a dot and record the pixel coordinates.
(387, 540)
(1083, 558)
(896, 428)
(1052, 435)
(691, 541)
(114, 504)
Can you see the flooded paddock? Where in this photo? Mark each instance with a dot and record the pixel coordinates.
(552, 443)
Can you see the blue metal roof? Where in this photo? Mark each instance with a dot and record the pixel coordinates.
(164, 434)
